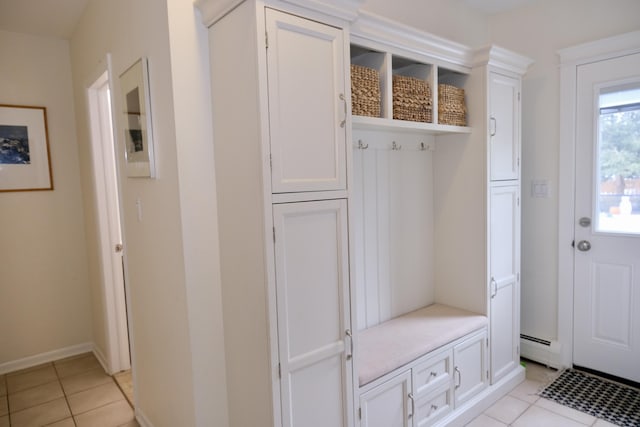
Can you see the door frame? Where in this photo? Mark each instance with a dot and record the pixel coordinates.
(114, 293)
(570, 59)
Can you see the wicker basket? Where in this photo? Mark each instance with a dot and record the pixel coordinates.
(452, 109)
(411, 99)
(365, 91)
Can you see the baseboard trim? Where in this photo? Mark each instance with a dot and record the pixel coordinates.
(142, 419)
(49, 356)
(103, 361)
(548, 355)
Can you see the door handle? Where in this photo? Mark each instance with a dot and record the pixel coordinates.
(584, 245)
(119, 247)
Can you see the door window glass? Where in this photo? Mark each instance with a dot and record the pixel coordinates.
(618, 160)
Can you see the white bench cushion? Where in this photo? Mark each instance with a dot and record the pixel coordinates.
(392, 344)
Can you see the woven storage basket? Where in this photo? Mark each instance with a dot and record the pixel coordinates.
(411, 99)
(365, 91)
(452, 109)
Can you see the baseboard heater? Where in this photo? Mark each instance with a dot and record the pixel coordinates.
(540, 350)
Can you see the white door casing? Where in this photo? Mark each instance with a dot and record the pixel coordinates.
(312, 293)
(606, 282)
(307, 104)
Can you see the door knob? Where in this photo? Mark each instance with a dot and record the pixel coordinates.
(119, 247)
(584, 245)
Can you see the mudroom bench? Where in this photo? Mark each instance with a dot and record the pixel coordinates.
(421, 366)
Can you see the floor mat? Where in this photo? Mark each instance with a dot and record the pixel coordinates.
(618, 404)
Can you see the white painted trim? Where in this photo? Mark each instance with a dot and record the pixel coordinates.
(372, 28)
(214, 10)
(611, 47)
(502, 58)
(142, 419)
(49, 356)
(570, 59)
(101, 358)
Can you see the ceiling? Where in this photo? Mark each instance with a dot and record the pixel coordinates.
(58, 18)
(50, 18)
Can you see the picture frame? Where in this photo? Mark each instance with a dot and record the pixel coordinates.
(25, 161)
(137, 132)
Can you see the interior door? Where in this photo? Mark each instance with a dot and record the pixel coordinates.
(312, 291)
(607, 224)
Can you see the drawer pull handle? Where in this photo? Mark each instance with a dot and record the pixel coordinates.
(457, 371)
(413, 405)
(434, 408)
(434, 374)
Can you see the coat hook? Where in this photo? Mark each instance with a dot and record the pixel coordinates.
(362, 146)
(395, 146)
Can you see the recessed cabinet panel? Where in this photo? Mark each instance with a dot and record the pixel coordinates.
(387, 405)
(503, 282)
(307, 104)
(469, 368)
(312, 293)
(504, 127)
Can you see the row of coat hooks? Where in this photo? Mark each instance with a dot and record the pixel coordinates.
(394, 146)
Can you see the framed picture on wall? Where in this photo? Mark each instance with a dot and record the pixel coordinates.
(25, 164)
(136, 107)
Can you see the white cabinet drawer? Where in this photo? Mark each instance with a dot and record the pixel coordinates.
(433, 407)
(432, 373)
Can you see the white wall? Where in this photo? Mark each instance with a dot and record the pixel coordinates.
(539, 31)
(44, 292)
(194, 143)
(171, 269)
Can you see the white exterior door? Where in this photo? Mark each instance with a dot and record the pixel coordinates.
(607, 223)
(307, 104)
(312, 291)
(504, 127)
(504, 279)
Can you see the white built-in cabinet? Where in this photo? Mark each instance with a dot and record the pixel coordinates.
(504, 219)
(428, 389)
(312, 293)
(307, 104)
(330, 223)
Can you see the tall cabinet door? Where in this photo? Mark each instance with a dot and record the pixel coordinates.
(307, 104)
(504, 127)
(504, 279)
(312, 291)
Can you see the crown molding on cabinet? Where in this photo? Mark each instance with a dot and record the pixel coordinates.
(501, 58)
(347, 10)
(377, 29)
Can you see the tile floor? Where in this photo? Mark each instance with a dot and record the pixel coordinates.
(522, 407)
(72, 392)
(75, 392)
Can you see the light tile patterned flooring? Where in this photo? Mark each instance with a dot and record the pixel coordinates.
(72, 392)
(75, 392)
(522, 407)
